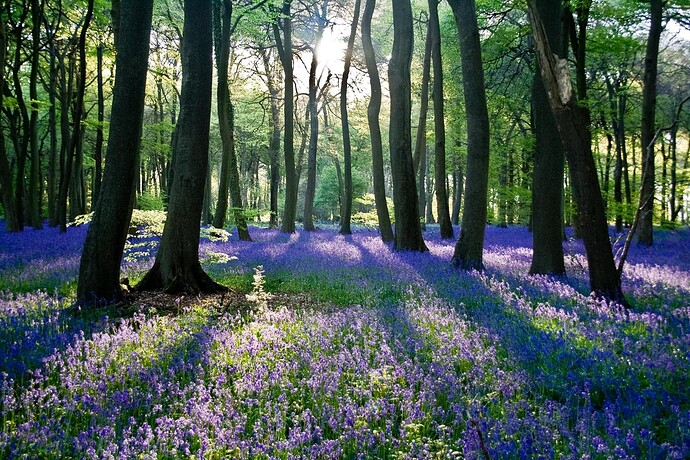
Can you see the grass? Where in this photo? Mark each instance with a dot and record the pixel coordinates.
(347, 349)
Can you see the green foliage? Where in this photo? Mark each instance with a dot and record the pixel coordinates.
(365, 210)
(150, 202)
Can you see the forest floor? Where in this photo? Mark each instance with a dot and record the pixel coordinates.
(332, 346)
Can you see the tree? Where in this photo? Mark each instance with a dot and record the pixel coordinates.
(347, 148)
(99, 269)
(274, 141)
(229, 175)
(75, 138)
(549, 162)
(373, 110)
(177, 267)
(408, 233)
(284, 47)
(645, 234)
(321, 17)
(470, 244)
(572, 123)
(443, 211)
(12, 223)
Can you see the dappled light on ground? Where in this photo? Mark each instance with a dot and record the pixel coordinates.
(364, 351)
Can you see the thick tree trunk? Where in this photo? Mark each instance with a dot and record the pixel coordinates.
(645, 234)
(373, 111)
(572, 122)
(229, 174)
(347, 148)
(177, 268)
(99, 270)
(549, 162)
(284, 46)
(408, 234)
(470, 244)
(443, 211)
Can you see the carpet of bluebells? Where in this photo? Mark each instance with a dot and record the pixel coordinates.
(398, 356)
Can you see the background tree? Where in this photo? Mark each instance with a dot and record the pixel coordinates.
(99, 269)
(177, 267)
(229, 175)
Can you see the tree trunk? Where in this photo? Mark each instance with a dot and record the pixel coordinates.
(373, 110)
(420, 140)
(347, 149)
(229, 174)
(313, 123)
(458, 185)
(645, 234)
(78, 114)
(284, 46)
(470, 244)
(98, 153)
(549, 162)
(34, 204)
(99, 270)
(443, 211)
(6, 189)
(274, 142)
(408, 234)
(177, 268)
(572, 122)
(52, 128)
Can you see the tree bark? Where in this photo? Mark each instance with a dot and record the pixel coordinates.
(99, 270)
(470, 244)
(443, 210)
(34, 205)
(420, 140)
(6, 190)
(284, 46)
(274, 142)
(645, 235)
(308, 224)
(408, 234)
(373, 111)
(78, 113)
(98, 152)
(572, 122)
(549, 162)
(347, 148)
(229, 174)
(177, 268)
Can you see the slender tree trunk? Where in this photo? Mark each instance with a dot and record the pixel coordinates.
(98, 153)
(284, 46)
(549, 162)
(8, 203)
(52, 128)
(347, 149)
(645, 234)
(420, 140)
(408, 234)
(99, 271)
(421, 186)
(572, 122)
(313, 123)
(274, 142)
(458, 185)
(75, 138)
(443, 211)
(34, 205)
(470, 244)
(373, 111)
(177, 268)
(229, 174)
